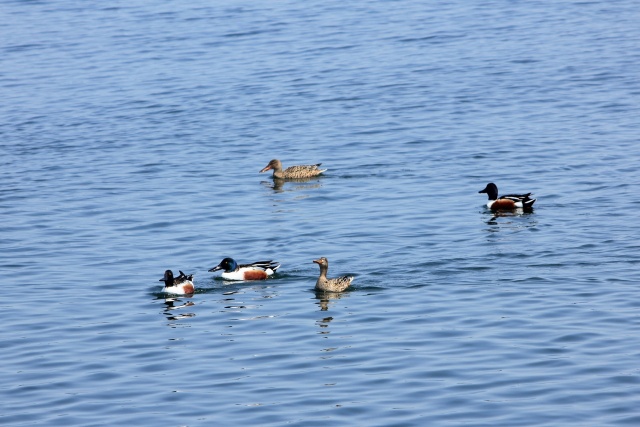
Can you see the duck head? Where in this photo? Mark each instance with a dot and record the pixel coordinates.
(491, 190)
(322, 261)
(227, 264)
(274, 164)
(168, 278)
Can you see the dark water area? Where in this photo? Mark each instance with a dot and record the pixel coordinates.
(131, 137)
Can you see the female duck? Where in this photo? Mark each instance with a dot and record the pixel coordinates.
(258, 270)
(338, 284)
(182, 284)
(508, 201)
(293, 172)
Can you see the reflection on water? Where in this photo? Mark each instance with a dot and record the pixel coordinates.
(324, 323)
(326, 299)
(235, 301)
(510, 219)
(173, 304)
(231, 301)
(278, 184)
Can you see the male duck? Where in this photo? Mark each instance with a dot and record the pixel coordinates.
(338, 284)
(293, 172)
(508, 201)
(182, 284)
(258, 270)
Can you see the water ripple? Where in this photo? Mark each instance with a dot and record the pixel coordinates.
(132, 137)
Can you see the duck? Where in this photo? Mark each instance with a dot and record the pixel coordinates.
(508, 201)
(337, 284)
(258, 270)
(293, 172)
(182, 285)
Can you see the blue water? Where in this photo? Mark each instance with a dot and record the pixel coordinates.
(131, 137)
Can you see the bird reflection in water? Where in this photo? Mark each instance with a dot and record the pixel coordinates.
(277, 184)
(324, 323)
(173, 304)
(325, 299)
(246, 302)
(512, 220)
(515, 214)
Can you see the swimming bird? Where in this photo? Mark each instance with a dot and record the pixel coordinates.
(338, 284)
(183, 284)
(508, 201)
(258, 270)
(293, 172)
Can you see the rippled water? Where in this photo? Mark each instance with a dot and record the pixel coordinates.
(131, 140)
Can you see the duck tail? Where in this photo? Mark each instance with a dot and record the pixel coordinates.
(528, 204)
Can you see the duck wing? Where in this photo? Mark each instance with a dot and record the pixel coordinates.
(263, 265)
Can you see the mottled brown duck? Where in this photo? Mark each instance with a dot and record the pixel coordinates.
(293, 172)
(337, 284)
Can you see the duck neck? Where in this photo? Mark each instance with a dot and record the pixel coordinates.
(323, 270)
(492, 194)
(277, 172)
(167, 279)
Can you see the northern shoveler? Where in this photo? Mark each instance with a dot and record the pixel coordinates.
(293, 172)
(258, 270)
(338, 284)
(183, 284)
(508, 201)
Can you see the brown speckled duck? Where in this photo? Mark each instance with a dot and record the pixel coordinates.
(293, 172)
(338, 284)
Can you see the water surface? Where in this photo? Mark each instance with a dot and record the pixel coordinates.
(132, 137)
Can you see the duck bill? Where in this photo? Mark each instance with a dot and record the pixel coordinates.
(216, 268)
(317, 261)
(266, 168)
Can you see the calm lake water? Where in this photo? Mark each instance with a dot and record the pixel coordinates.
(131, 140)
